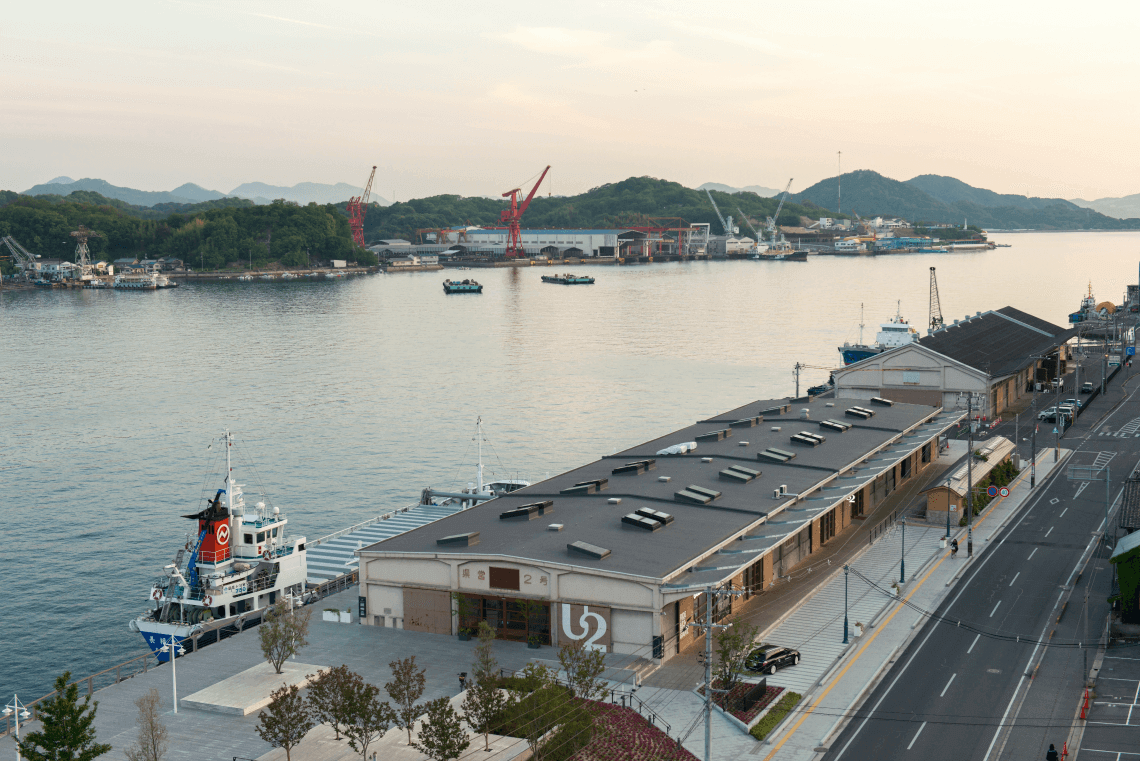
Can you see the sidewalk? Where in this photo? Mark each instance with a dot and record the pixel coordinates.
(930, 575)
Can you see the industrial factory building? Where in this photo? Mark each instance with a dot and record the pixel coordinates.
(580, 243)
(617, 554)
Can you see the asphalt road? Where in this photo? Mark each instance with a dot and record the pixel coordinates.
(955, 693)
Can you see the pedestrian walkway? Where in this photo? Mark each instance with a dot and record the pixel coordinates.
(834, 695)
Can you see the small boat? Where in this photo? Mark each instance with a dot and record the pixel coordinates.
(288, 276)
(784, 256)
(238, 565)
(568, 279)
(268, 277)
(462, 286)
(245, 277)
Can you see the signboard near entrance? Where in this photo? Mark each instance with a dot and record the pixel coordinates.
(588, 624)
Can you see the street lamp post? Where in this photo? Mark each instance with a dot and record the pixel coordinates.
(21, 712)
(902, 553)
(175, 649)
(846, 572)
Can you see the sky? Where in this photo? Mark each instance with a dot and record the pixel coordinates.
(475, 98)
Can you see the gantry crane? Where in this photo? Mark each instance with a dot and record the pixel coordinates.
(772, 219)
(82, 263)
(512, 216)
(357, 207)
(936, 321)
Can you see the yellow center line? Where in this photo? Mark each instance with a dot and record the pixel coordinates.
(836, 679)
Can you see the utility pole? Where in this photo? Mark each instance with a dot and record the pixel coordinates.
(1058, 417)
(708, 626)
(902, 553)
(796, 372)
(970, 476)
(846, 573)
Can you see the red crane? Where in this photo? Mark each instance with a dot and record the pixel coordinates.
(512, 216)
(356, 211)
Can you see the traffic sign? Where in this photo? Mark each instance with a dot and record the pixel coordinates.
(1054, 429)
(1130, 351)
(992, 491)
(1003, 491)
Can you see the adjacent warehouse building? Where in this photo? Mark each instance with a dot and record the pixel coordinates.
(616, 554)
(995, 355)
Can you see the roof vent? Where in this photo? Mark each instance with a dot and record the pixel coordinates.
(641, 522)
(829, 404)
(771, 454)
(748, 422)
(635, 468)
(834, 425)
(778, 410)
(664, 479)
(859, 412)
(715, 435)
(587, 487)
(706, 459)
(589, 550)
(881, 401)
(528, 512)
(808, 438)
(655, 515)
(460, 540)
(614, 500)
(805, 413)
(555, 527)
(739, 474)
(697, 495)
(743, 444)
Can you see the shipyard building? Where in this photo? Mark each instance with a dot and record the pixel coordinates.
(617, 554)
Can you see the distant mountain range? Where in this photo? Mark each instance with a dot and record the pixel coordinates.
(934, 198)
(759, 190)
(258, 192)
(1121, 208)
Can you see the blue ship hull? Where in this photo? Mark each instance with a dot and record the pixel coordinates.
(851, 356)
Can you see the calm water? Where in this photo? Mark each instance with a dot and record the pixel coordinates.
(351, 396)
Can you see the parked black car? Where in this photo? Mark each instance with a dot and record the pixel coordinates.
(766, 658)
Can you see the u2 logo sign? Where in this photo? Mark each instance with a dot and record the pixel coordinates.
(591, 626)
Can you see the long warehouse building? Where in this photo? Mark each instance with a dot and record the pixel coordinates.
(616, 554)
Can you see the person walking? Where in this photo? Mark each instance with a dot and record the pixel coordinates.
(954, 549)
(1052, 755)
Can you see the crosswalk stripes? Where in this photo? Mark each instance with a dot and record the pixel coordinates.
(1103, 458)
(1131, 428)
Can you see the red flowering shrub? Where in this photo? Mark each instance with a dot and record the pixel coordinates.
(622, 734)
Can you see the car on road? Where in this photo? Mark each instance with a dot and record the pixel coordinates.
(766, 658)
(1050, 415)
(1078, 403)
(1086, 388)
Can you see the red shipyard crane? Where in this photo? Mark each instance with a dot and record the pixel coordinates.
(357, 207)
(512, 216)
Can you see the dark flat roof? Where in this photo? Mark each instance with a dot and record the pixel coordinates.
(998, 342)
(696, 528)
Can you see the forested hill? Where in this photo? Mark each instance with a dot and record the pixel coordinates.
(209, 237)
(631, 202)
(933, 198)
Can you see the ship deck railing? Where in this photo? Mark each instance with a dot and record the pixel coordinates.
(350, 529)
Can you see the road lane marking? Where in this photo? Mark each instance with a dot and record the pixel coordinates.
(1062, 515)
(916, 734)
(948, 684)
(1081, 488)
(995, 609)
(1014, 578)
(973, 643)
(1033, 553)
(1050, 531)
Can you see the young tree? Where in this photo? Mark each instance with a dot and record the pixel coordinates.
(367, 717)
(330, 692)
(66, 730)
(732, 647)
(584, 668)
(485, 668)
(483, 703)
(152, 743)
(406, 687)
(286, 720)
(283, 632)
(442, 736)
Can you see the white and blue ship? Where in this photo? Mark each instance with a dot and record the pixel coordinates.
(238, 563)
(897, 332)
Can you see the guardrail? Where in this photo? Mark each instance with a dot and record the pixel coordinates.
(332, 586)
(369, 522)
(125, 670)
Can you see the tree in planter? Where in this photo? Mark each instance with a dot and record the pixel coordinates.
(465, 608)
(485, 668)
(484, 702)
(286, 720)
(151, 744)
(283, 632)
(583, 667)
(547, 705)
(330, 694)
(406, 687)
(66, 730)
(442, 736)
(367, 717)
(732, 647)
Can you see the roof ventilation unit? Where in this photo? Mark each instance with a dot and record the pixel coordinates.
(739, 474)
(881, 401)
(641, 522)
(655, 515)
(859, 412)
(834, 425)
(696, 495)
(528, 512)
(771, 454)
(778, 410)
(460, 540)
(589, 550)
(748, 422)
(805, 413)
(587, 487)
(635, 468)
(715, 435)
(808, 439)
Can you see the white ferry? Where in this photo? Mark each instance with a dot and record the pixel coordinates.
(240, 563)
(145, 281)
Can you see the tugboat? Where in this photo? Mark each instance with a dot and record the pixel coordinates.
(897, 332)
(239, 564)
(568, 279)
(462, 286)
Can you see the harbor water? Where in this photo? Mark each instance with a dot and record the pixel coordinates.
(350, 396)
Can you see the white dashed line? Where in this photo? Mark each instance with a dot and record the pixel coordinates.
(948, 685)
(916, 734)
(995, 609)
(1013, 579)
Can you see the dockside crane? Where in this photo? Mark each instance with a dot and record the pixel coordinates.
(728, 228)
(82, 262)
(24, 260)
(512, 216)
(772, 219)
(357, 208)
(935, 303)
(747, 221)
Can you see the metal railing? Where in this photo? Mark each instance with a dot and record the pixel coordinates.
(97, 681)
(332, 586)
(885, 525)
(369, 522)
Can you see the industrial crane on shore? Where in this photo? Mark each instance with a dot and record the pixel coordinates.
(512, 216)
(772, 219)
(727, 225)
(936, 321)
(24, 260)
(82, 262)
(357, 208)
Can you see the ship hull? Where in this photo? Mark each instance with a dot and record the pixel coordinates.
(852, 354)
(155, 633)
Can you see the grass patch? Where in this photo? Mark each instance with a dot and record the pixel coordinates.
(775, 716)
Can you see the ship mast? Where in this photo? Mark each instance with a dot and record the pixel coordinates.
(860, 324)
(229, 474)
(479, 436)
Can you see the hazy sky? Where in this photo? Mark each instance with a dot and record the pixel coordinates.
(474, 98)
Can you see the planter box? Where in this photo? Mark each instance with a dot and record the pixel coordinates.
(533, 645)
(331, 615)
(346, 617)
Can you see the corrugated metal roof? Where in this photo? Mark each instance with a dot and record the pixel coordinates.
(1130, 505)
(995, 449)
(998, 342)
